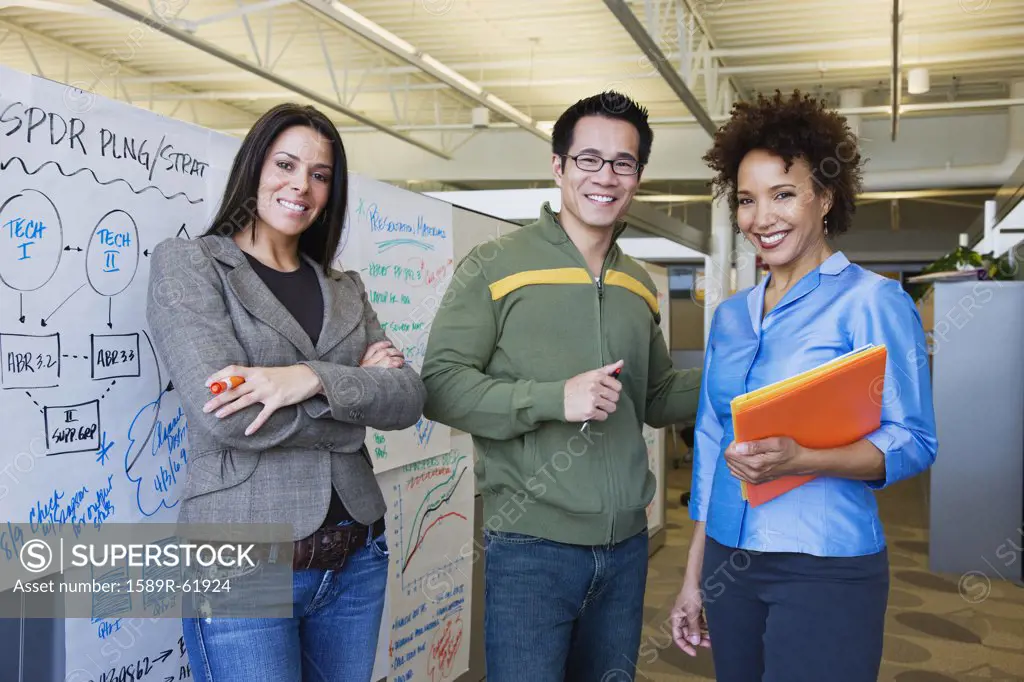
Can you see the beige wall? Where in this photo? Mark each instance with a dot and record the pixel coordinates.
(687, 320)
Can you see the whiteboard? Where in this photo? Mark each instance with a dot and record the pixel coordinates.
(85, 196)
(401, 245)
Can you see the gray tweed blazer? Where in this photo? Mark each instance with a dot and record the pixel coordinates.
(207, 309)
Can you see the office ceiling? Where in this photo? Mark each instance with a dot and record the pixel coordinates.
(411, 68)
(531, 57)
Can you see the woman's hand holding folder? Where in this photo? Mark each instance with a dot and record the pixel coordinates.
(760, 461)
(827, 408)
(768, 459)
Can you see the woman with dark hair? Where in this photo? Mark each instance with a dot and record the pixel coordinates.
(255, 297)
(796, 588)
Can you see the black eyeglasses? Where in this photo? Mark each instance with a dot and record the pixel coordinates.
(592, 163)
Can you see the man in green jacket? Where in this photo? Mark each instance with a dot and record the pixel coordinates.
(523, 355)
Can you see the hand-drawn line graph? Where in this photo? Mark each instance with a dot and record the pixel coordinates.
(422, 518)
(423, 515)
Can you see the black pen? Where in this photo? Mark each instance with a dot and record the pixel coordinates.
(614, 375)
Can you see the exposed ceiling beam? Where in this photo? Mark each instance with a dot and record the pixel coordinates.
(657, 58)
(244, 11)
(887, 195)
(392, 44)
(57, 7)
(689, 4)
(825, 66)
(881, 63)
(870, 111)
(896, 86)
(214, 51)
(91, 57)
(660, 224)
(941, 39)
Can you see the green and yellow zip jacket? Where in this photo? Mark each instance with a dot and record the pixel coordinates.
(521, 316)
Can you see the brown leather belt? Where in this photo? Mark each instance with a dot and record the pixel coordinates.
(328, 548)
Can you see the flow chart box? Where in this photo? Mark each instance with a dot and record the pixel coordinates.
(113, 356)
(29, 361)
(72, 428)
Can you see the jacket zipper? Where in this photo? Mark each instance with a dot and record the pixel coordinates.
(609, 483)
(599, 285)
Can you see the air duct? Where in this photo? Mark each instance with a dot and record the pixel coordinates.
(962, 176)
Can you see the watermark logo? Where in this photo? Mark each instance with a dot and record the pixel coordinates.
(707, 290)
(974, 587)
(77, 97)
(437, 7)
(614, 98)
(885, 391)
(36, 556)
(975, 6)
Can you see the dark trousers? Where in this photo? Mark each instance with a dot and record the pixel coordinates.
(786, 617)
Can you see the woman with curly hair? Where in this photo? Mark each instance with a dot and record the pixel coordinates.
(796, 589)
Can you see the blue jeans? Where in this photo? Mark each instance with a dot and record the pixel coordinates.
(332, 636)
(557, 612)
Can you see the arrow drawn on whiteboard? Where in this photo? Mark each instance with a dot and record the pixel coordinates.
(21, 308)
(43, 321)
(5, 164)
(110, 309)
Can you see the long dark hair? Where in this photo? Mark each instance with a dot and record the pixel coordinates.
(238, 207)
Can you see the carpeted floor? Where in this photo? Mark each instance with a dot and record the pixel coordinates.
(933, 632)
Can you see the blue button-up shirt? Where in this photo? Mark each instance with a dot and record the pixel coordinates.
(832, 310)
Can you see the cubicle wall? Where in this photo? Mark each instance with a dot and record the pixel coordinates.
(976, 501)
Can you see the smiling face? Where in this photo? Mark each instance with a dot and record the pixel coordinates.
(598, 199)
(780, 213)
(295, 182)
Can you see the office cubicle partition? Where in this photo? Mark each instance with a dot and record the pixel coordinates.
(977, 503)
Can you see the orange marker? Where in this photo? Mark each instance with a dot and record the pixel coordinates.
(222, 385)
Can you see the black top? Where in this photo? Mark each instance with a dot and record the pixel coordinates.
(299, 292)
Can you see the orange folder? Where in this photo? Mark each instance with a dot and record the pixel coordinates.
(829, 406)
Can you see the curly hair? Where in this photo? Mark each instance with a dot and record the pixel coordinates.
(794, 127)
